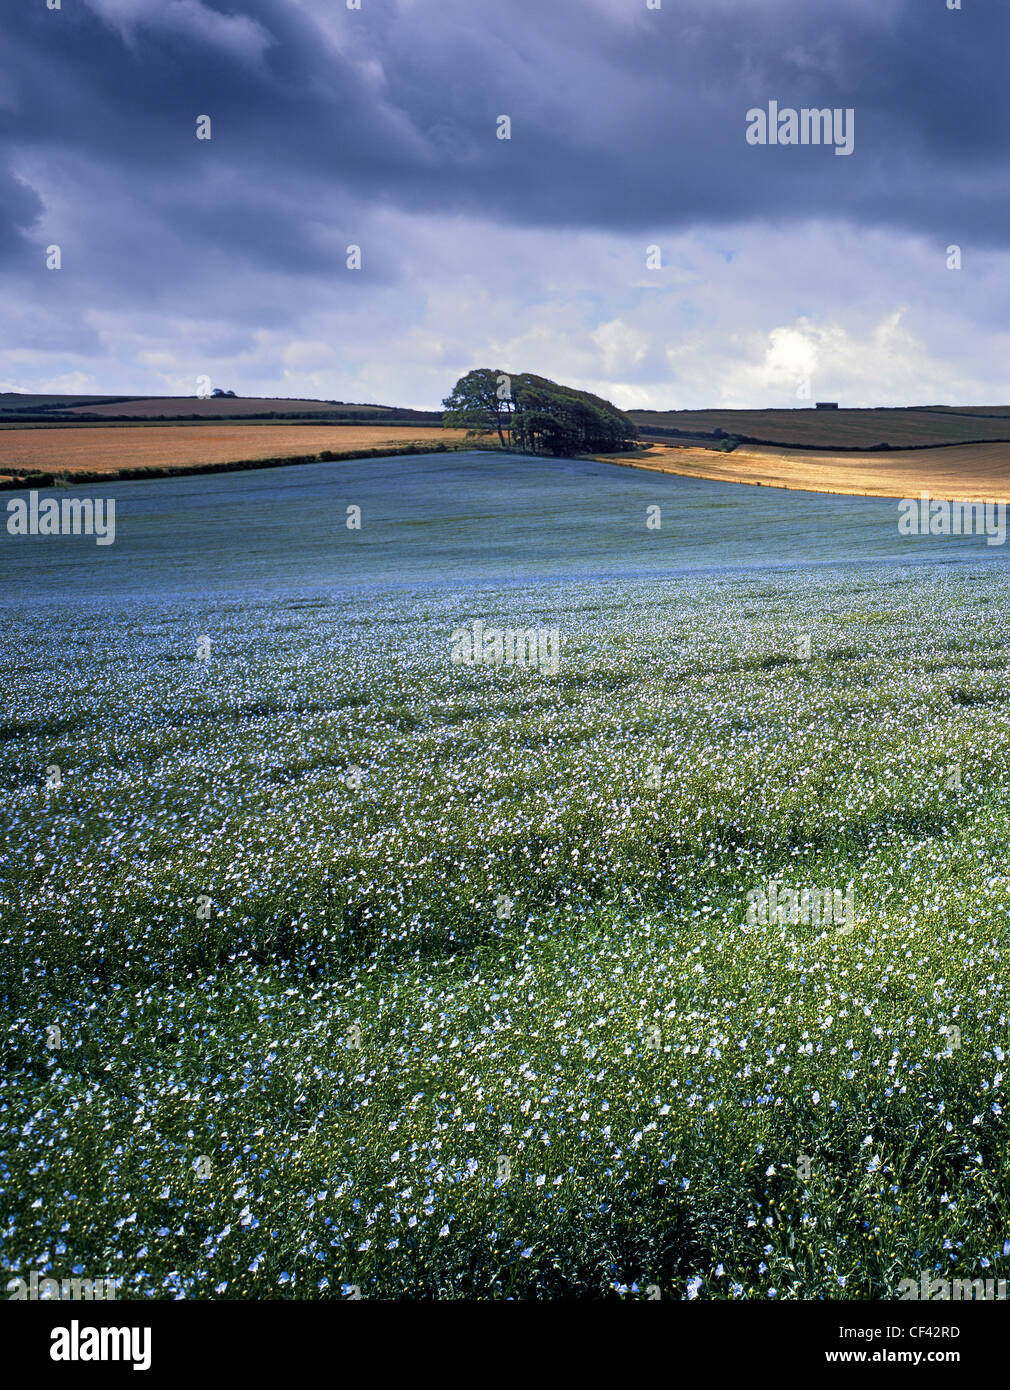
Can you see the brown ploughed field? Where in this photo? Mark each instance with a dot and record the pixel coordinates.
(111, 449)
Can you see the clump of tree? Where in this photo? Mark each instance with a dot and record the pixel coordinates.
(532, 415)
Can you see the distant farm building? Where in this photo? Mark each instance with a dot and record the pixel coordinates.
(827, 405)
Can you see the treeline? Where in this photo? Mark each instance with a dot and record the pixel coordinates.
(531, 414)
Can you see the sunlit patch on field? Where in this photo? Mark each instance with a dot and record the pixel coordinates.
(332, 966)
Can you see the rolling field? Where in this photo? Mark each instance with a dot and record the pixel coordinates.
(852, 429)
(165, 407)
(966, 471)
(330, 966)
(109, 450)
(15, 404)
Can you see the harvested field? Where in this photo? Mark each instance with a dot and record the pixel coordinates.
(171, 448)
(830, 429)
(13, 403)
(227, 407)
(973, 472)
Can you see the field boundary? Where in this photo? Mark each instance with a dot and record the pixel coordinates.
(67, 478)
(881, 448)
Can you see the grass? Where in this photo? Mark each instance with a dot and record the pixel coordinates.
(475, 1009)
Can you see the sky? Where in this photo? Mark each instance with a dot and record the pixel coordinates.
(628, 238)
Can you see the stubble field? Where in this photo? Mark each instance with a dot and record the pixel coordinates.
(113, 449)
(972, 472)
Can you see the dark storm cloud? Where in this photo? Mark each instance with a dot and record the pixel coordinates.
(377, 127)
(20, 207)
(623, 118)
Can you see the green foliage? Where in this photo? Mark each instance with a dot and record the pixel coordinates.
(474, 404)
(537, 415)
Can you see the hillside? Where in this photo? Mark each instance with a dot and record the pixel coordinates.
(109, 409)
(972, 471)
(904, 428)
(38, 456)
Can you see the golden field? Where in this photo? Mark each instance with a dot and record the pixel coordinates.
(111, 450)
(973, 472)
(970, 471)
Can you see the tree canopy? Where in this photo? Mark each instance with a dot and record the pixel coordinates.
(531, 414)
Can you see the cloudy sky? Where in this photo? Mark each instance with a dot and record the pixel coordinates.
(780, 268)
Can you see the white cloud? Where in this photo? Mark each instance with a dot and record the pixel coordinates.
(303, 356)
(736, 318)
